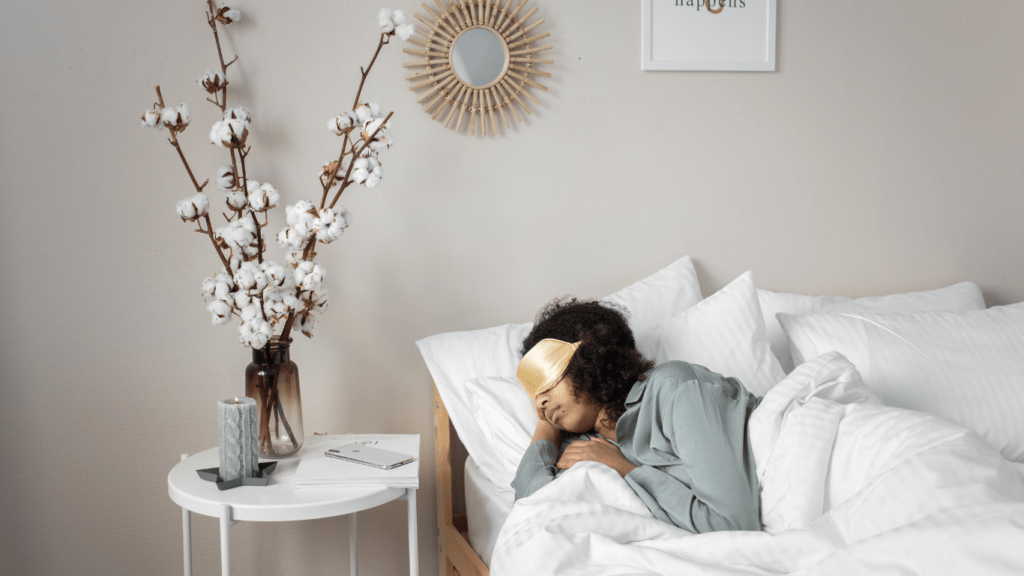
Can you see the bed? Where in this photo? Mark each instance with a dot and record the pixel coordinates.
(888, 440)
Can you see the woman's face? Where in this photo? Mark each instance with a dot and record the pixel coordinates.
(566, 412)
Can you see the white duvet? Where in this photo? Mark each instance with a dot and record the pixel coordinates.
(847, 487)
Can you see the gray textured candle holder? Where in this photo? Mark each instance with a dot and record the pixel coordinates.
(212, 474)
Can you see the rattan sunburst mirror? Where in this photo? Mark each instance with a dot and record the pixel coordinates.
(477, 60)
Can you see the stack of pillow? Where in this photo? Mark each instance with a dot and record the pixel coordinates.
(940, 352)
(736, 332)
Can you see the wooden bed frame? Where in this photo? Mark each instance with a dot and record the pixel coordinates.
(454, 554)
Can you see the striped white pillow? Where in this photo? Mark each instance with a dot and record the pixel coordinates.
(966, 366)
(724, 333)
(962, 296)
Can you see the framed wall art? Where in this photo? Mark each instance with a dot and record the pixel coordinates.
(726, 35)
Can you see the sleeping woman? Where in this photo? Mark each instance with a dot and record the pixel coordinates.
(676, 432)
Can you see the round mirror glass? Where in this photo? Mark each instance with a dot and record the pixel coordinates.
(478, 57)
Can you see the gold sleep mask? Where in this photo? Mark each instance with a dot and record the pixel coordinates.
(544, 365)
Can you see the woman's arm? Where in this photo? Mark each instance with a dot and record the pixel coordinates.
(537, 467)
(715, 485)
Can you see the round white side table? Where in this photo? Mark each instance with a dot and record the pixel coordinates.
(278, 502)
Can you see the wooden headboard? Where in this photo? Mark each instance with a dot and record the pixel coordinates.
(454, 554)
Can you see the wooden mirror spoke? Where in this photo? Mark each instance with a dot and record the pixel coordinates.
(472, 105)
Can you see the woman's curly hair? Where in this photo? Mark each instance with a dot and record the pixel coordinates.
(607, 363)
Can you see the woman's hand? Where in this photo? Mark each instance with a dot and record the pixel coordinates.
(595, 450)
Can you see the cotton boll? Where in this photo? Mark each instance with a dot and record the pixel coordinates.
(169, 116)
(300, 218)
(363, 114)
(193, 208)
(226, 177)
(255, 333)
(374, 109)
(291, 302)
(359, 175)
(251, 312)
(209, 285)
(384, 20)
(241, 300)
(186, 210)
(376, 134)
(405, 31)
(277, 276)
(360, 170)
(308, 275)
(249, 185)
(175, 118)
(239, 235)
(221, 312)
(229, 133)
(329, 225)
(305, 323)
(151, 119)
(238, 113)
(184, 115)
(232, 16)
(372, 126)
(398, 17)
(328, 169)
(235, 201)
(263, 198)
(250, 278)
(294, 211)
(317, 301)
(222, 291)
(293, 258)
(213, 81)
(375, 173)
(290, 238)
(342, 123)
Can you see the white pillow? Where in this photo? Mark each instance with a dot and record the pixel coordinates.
(963, 296)
(966, 366)
(724, 333)
(505, 413)
(454, 358)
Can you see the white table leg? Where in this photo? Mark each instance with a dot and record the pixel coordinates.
(186, 533)
(414, 555)
(225, 539)
(352, 544)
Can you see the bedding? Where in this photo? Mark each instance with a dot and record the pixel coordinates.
(967, 366)
(962, 296)
(849, 486)
(487, 507)
(454, 358)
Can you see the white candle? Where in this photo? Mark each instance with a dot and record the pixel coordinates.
(236, 425)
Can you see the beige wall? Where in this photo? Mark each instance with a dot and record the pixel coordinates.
(884, 155)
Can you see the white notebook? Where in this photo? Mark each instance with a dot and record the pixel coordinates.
(316, 470)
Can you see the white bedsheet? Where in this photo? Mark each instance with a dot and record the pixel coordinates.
(487, 507)
(887, 491)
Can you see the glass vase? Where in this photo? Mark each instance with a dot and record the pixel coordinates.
(272, 379)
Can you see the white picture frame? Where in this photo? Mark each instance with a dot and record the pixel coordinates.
(686, 35)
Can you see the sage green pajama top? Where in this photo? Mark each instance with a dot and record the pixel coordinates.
(685, 428)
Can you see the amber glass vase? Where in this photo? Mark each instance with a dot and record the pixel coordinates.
(272, 379)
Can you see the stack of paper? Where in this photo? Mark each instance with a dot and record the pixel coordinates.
(316, 470)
